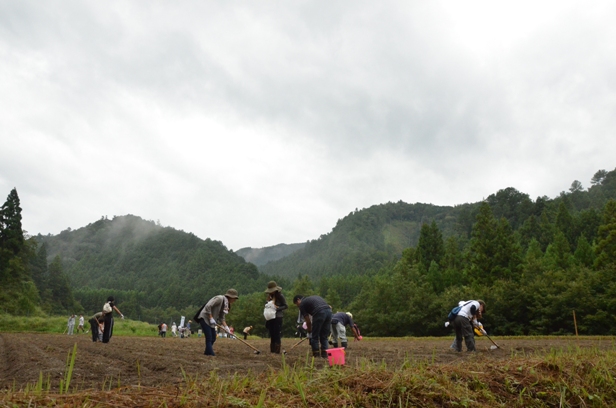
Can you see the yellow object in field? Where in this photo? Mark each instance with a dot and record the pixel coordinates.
(477, 331)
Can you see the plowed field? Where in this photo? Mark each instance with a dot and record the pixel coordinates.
(154, 361)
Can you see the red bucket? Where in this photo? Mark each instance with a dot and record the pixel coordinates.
(335, 356)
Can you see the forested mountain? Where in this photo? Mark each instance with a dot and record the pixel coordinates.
(147, 266)
(365, 240)
(261, 256)
(398, 267)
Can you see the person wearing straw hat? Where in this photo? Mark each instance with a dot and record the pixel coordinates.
(274, 293)
(213, 313)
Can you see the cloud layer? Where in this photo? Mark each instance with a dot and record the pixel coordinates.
(262, 123)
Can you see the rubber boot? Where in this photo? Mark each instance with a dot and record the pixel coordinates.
(323, 353)
(277, 348)
(272, 348)
(335, 345)
(316, 353)
(344, 344)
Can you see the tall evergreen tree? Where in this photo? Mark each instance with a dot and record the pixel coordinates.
(558, 255)
(61, 294)
(584, 254)
(430, 247)
(533, 261)
(564, 223)
(606, 238)
(482, 248)
(529, 230)
(493, 251)
(11, 234)
(38, 268)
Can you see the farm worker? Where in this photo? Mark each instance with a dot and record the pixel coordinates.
(274, 293)
(174, 329)
(163, 330)
(246, 330)
(473, 309)
(339, 322)
(108, 316)
(477, 326)
(71, 325)
(212, 313)
(80, 327)
(96, 326)
(477, 329)
(319, 326)
(300, 327)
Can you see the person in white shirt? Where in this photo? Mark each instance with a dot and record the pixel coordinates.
(174, 329)
(81, 322)
(471, 310)
(477, 327)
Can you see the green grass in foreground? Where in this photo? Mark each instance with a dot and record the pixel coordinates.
(571, 378)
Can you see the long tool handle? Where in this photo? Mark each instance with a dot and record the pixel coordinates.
(298, 343)
(492, 341)
(237, 338)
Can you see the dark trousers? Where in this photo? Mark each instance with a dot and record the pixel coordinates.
(321, 327)
(464, 330)
(275, 330)
(94, 329)
(108, 330)
(210, 337)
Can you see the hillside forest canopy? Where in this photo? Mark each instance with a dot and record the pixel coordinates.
(398, 267)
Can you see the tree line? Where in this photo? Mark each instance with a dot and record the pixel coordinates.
(397, 267)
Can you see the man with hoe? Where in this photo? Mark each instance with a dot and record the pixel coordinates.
(473, 309)
(319, 326)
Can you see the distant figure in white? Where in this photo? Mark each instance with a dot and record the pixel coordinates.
(71, 325)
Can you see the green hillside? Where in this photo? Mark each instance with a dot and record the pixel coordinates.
(365, 240)
(156, 266)
(398, 267)
(261, 256)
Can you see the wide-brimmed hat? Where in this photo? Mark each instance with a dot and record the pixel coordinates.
(232, 293)
(272, 287)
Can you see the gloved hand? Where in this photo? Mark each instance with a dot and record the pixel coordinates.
(213, 322)
(227, 330)
(483, 331)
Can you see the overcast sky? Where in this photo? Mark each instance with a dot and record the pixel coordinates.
(259, 123)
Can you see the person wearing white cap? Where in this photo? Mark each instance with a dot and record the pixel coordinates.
(339, 322)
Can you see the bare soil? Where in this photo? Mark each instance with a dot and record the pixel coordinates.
(154, 361)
